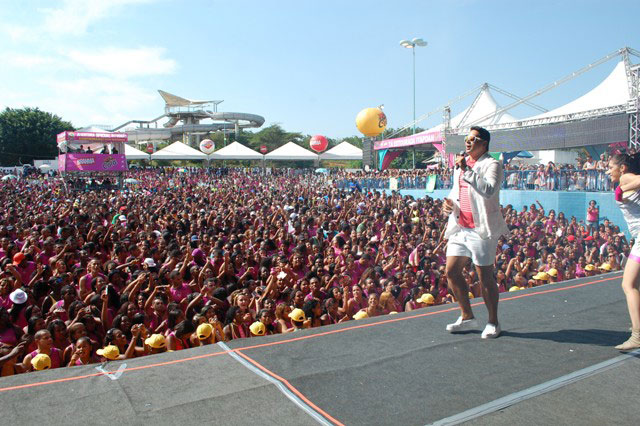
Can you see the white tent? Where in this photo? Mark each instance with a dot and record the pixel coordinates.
(236, 151)
(486, 106)
(178, 151)
(134, 154)
(291, 151)
(342, 151)
(613, 91)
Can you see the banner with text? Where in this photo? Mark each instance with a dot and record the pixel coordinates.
(92, 163)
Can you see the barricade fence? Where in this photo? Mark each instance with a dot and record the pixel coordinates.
(530, 180)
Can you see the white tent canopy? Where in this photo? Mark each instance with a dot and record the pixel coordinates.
(486, 106)
(613, 91)
(342, 151)
(291, 151)
(134, 154)
(236, 151)
(178, 151)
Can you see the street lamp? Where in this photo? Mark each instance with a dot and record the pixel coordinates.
(416, 42)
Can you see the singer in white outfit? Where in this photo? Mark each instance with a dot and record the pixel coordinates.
(475, 224)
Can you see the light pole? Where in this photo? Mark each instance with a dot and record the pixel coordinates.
(416, 42)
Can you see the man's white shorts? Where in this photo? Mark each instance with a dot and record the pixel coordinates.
(468, 243)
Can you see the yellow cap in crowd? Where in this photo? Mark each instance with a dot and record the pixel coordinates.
(41, 362)
(109, 352)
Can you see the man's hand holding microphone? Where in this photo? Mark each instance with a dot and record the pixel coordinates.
(447, 206)
(461, 162)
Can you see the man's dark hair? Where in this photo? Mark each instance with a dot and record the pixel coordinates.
(483, 134)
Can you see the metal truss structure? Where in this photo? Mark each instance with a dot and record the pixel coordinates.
(632, 108)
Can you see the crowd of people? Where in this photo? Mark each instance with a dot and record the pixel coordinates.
(191, 257)
(585, 174)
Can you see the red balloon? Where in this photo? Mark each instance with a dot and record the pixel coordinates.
(318, 143)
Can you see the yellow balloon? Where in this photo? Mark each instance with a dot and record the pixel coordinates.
(371, 122)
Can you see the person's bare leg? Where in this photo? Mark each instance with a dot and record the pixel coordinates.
(490, 292)
(630, 287)
(458, 285)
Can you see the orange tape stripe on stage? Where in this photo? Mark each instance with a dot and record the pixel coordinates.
(288, 385)
(426, 314)
(326, 333)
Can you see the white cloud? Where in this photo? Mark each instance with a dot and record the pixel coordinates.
(124, 62)
(75, 16)
(25, 60)
(100, 100)
(18, 32)
(83, 85)
(71, 18)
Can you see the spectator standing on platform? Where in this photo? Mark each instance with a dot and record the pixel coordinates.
(625, 169)
(604, 184)
(593, 216)
(590, 169)
(475, 225)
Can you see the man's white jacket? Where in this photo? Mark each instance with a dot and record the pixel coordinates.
(484, 179)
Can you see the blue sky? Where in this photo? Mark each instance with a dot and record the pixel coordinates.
(308, 65)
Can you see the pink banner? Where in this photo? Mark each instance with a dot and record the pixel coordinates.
(106, 137)
(92, 163)
(417, 139)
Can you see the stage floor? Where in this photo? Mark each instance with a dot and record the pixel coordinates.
(554, 364)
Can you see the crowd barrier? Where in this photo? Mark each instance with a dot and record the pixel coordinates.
(531, 180)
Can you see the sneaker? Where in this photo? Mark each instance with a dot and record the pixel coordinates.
(491, 331)
(462, 325)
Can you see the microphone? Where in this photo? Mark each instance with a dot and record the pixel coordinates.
(462, 154)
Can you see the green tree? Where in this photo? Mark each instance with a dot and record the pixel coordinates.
(29, 134)
(405, 160)
(274, 137)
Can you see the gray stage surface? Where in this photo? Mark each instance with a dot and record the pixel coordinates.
(554, 364)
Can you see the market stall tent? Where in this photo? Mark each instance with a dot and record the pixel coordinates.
(291, 151)
(178, 151)
(342, 151)
(236, 151)
(134, 154)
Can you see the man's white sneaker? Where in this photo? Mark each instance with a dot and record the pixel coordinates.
(491, 331)
(462, 325)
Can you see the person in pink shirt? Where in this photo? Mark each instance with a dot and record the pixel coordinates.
(45, 346)
(178, 290)
(6, 287)
(593, 216)
(25, 268)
